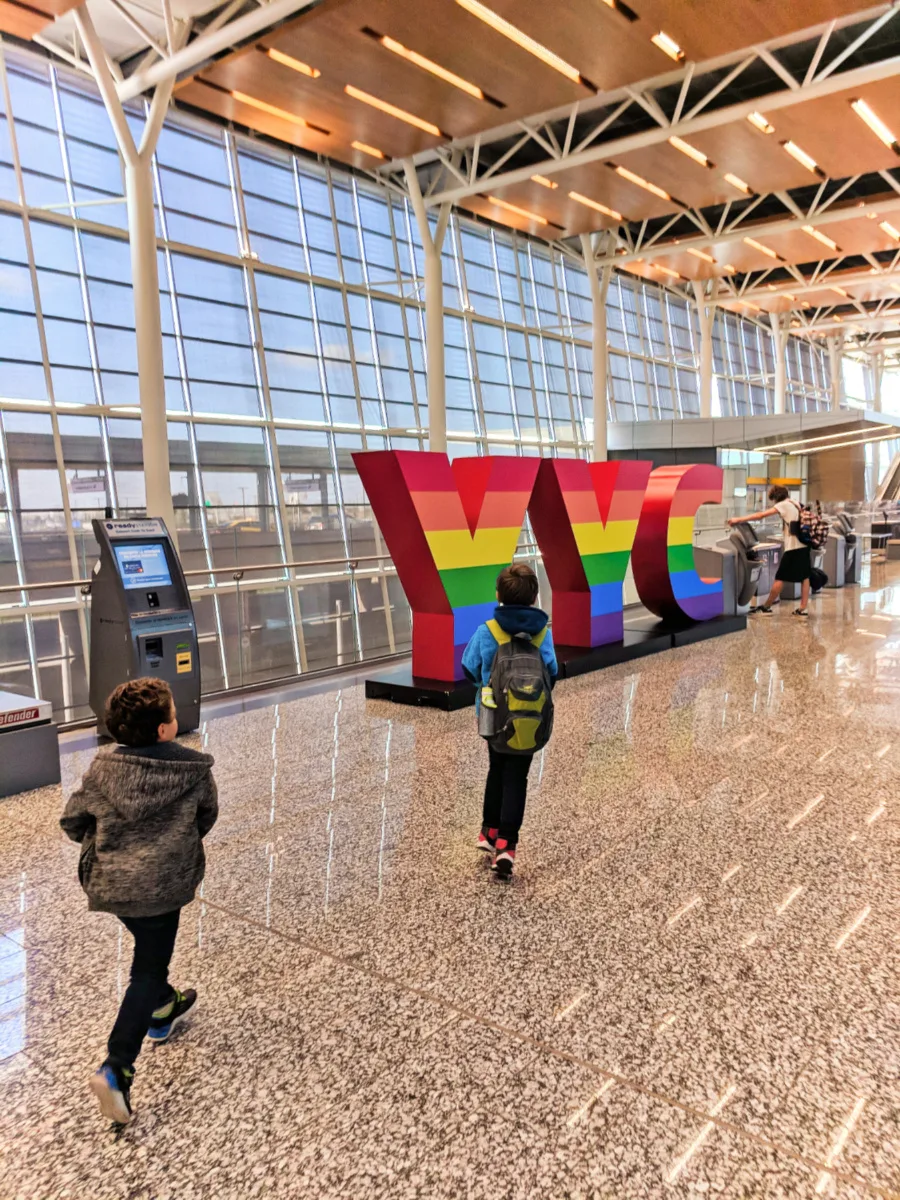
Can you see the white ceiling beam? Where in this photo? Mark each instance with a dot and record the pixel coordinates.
(764, 229)
(784, 98)
(848, 323)
(208, 44)
(847, 280)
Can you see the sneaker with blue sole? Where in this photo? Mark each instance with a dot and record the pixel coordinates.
(112, 1087)
(162, 1028)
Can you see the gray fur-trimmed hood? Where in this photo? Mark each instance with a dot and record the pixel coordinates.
(136, 785)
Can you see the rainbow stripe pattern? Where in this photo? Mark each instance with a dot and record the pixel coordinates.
(663, 558)
(450, 529)
(585, 517)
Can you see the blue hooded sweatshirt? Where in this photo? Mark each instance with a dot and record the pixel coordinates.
(478, 656)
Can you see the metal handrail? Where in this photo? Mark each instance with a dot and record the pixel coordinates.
(236, 571)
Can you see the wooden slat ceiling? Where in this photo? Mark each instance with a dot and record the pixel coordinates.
(25, 20)
(339, 41)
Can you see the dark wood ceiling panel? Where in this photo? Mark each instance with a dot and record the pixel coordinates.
(214, 100)
(330, 38)
(26, 20)
(755, 157)
(840, 142)
(706, 28)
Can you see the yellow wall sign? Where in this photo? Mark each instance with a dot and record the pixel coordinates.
(183, 662)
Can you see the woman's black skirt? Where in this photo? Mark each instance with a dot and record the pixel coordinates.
(794, 566)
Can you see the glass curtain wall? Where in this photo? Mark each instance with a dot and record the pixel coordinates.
(291, 305)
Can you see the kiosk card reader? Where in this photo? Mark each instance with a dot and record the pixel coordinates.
(142, 622)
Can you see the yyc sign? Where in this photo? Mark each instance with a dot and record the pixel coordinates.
(452, 527)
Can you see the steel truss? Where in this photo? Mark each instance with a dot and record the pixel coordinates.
(554, 132)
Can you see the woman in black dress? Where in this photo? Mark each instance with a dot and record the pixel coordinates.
(795, 560)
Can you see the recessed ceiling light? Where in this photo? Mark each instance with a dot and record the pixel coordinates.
(595, 204)
(668, 46)
(840, 291)
(392, 110)
(759, 122)
(804, 159)
(272, 109)
(890, 231)
(729, 268)
(419, 60)
(665, 270)
(496, 22)
(295, 64)
(691, 151)
(544, 181)
(760, 247)
(520, 212)
(366, 149)
(875, 123)
(821, 237)
(701, 254)
(738, 183)
(750, 304)
(643, 183)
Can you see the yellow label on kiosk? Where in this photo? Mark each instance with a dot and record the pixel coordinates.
(183, 662)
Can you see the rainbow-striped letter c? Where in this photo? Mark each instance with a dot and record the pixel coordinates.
(662, 561)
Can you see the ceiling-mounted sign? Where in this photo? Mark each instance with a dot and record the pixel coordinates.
(88, 483)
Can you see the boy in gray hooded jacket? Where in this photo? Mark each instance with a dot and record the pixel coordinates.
(141, 814)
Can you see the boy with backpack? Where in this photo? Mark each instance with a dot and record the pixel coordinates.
(141, 813)
(511, 661)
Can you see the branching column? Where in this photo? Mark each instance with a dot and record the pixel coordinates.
(598, 278)
(706, 313)
(780, 333)
(144, 271)
(434, 309)
(836, 363)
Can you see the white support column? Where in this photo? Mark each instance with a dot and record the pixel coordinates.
(780, 333)
(836, 365)
(877, 364)
(434, 310)
(706, 313)
(144, 270)
(598, 279)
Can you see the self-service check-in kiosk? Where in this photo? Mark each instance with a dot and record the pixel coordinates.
(142, 622)
(733, 560)
(841, 563)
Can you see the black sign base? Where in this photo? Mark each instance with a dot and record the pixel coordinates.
(643, 635)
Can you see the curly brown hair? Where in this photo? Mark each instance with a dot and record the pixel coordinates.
(136, 709)
(777, 493)
(517, 584)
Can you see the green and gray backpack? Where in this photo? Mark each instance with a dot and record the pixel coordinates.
(523, 718)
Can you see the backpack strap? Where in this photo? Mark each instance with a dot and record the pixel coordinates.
(500, 636)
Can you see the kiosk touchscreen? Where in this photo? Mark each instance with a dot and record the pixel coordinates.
(142, 622)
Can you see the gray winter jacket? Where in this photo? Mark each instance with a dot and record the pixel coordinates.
(141, 816)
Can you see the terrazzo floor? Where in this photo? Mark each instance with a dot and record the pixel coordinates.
(690, 988)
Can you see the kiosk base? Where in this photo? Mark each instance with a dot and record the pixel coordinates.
(643, 636)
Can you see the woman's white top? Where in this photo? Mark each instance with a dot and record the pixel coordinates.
(789, 510)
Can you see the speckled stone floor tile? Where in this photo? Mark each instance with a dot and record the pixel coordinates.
(688, 989)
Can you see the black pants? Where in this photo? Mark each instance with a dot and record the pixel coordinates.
(149, 989)
(505, 793)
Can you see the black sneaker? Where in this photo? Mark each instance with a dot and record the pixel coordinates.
(762, 608)
(112, 1088)
(161, 1028)
(504, 859)
(801, 612)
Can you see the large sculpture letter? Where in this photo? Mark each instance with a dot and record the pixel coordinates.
(584, 517)
(662, 560)
(450, 531)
